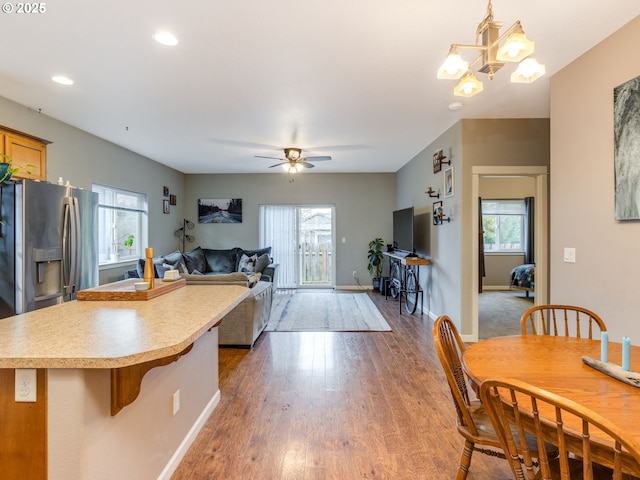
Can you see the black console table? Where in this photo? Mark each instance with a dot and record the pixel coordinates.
(404, 279)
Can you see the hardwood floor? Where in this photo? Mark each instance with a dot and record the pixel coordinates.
(372, 405)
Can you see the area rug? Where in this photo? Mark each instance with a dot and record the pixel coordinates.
(324, 312)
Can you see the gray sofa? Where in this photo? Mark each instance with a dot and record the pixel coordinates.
(209, 262)
(235, 266)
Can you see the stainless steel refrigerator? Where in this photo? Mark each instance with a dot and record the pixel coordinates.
(48, 245)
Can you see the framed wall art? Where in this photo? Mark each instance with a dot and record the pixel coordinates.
(438, 212)
(437, 161)
(173, 200)
(219, 210)
(165, 206)
(626, 142)
(448, 182)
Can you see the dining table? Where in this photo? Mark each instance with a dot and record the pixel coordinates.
(554, 363)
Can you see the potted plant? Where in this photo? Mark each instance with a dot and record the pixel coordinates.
(128, 242)
(6, 168)
(375, 257)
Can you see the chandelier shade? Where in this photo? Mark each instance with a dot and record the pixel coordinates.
(468, 86)
(453, 67)
(529, 70)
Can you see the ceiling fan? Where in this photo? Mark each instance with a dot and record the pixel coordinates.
(294, 161)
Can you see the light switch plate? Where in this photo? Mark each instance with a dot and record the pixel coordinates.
(569, 255)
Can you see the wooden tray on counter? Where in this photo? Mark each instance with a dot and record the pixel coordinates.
(124, 290)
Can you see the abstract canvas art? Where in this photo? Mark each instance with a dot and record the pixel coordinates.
(626, 114)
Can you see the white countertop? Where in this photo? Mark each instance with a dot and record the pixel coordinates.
(114, 334)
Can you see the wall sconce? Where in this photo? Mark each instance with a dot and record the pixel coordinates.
(430, 191)
(441, 218)
(440, 156)
(438, 214)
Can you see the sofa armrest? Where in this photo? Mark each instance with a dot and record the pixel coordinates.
(269, 273)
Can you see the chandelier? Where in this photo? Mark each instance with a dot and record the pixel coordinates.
(495, 49)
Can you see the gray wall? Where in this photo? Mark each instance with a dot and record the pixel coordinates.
(606, 276)
(83, 158)
(468, 143)
(364, 205)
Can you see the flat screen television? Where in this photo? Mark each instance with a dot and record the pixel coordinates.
(421, 230)
(403, 230)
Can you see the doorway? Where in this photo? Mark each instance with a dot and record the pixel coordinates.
(539, 176)
(302, 239)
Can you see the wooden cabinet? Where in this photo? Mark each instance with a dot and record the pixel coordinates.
(27, 152)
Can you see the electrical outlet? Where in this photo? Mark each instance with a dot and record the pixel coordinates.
(26, 385)
(355, 274)
(176, 402)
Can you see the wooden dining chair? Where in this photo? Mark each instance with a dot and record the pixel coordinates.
(589, 446)
(472, 421)
(563, 320)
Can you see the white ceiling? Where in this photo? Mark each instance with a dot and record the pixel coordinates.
(354, 79)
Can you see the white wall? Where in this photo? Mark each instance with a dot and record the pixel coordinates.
(87, 443)
(606, 276)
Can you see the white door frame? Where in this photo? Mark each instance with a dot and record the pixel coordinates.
(541, 236)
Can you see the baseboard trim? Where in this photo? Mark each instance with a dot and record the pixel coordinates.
(182, 449)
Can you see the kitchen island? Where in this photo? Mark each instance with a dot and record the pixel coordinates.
(86, 353)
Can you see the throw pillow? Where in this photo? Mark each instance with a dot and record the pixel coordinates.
(194, 260)
(262, 262)
(157, 267)
(258, 252)
(221, 261)
(247, 264)
(175, 260)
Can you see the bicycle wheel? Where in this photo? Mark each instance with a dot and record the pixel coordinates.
(411, 292)
(394, 280)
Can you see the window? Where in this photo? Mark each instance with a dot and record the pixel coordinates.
(122, 224)
(503, 224)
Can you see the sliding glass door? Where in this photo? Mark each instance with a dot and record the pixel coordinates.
(302, 242)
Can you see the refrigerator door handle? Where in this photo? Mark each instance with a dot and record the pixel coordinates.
(66, 273)
(71, 245)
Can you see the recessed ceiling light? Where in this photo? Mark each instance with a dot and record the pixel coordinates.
(166, 38)
(62, 80)
(455, 106)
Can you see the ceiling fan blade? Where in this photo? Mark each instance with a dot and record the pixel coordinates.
(278, 164)
(272, 158)
(240, 143)
(319, 159)
(306, 164)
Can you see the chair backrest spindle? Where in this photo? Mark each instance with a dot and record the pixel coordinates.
(548, 319)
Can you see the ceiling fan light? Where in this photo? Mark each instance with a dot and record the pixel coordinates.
(453, 67)
(468, 86)
(528, 71)
(292, 153)
(517, 47)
